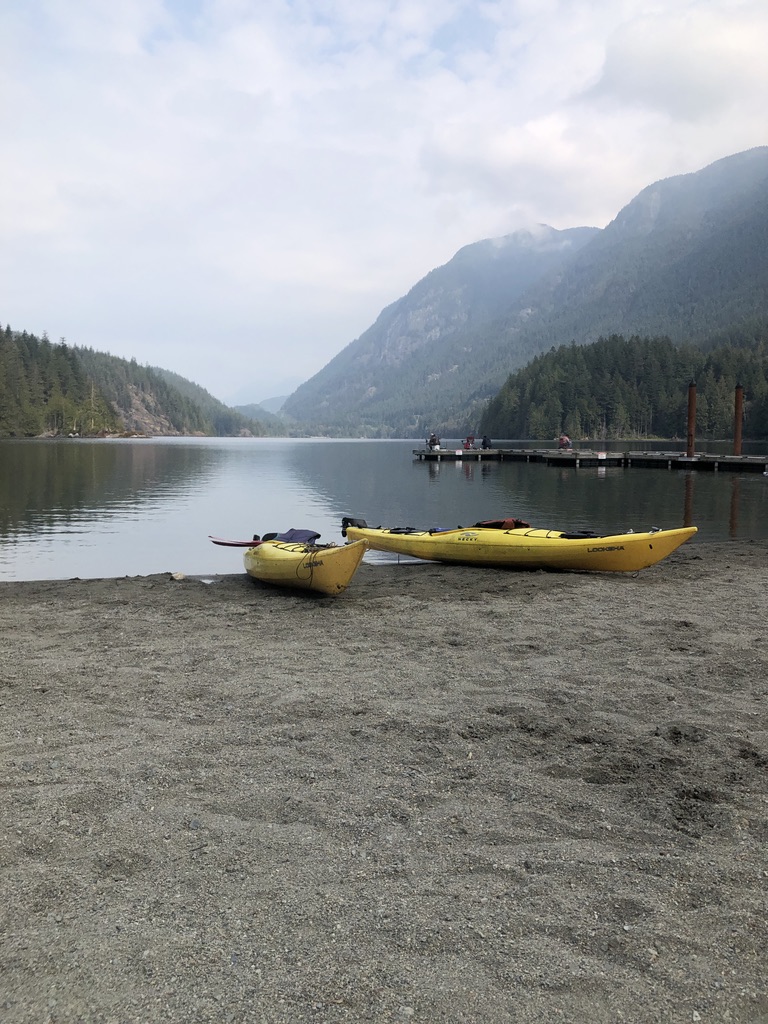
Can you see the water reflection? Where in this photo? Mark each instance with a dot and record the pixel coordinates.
(688, 505)
(733, 519)
(47, 483)
(82, 508)
(381, 481)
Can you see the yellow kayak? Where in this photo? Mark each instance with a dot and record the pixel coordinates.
(524, 547)
(325, 568)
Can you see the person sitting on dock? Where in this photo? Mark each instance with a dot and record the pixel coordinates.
(469, 444)
(487, 443)
(565, 442)
(433, 441)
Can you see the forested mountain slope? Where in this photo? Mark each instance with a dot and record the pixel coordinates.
(57, 389)
(256, 411)
(687, 258)
(225, 421)
(44, 389)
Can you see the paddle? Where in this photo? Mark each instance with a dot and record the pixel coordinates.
(290, 537)
(235, 543)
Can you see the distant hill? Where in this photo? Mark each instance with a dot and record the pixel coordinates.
(686, 259)
(226, 422)
(273, 405)
(260, 412)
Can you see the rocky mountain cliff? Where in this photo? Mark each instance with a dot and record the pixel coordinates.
(686, 258)
(429, 350)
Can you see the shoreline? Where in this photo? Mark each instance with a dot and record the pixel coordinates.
(449, 794)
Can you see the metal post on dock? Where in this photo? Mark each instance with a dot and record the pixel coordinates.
(738, 419)
(691, 419)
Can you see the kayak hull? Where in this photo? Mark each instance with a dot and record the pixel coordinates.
(325, 569)
(528, 548)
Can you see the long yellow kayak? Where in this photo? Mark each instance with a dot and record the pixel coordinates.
(523, 546)
(325, 568)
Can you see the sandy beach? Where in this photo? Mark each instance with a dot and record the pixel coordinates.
(448, 795)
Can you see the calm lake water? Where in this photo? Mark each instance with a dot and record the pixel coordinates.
(90, 509)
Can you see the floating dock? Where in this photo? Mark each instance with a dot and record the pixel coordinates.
(578, 458)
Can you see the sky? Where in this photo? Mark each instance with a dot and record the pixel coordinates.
(235, 189)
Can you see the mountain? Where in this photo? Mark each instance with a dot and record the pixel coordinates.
(428, 350)
(273, 405)
(46, 390)
(156, 401)
(686, 258)
(257, 411)
(61, 389)
(224, 421)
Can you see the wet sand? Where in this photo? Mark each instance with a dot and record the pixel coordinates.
(449, 794)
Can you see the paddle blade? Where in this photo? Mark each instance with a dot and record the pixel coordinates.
(235, 543)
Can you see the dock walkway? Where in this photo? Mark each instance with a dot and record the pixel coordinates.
(584, 457)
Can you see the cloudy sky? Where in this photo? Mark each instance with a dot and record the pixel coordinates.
(234, 189)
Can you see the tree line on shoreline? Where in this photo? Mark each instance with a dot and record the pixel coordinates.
(636, 387)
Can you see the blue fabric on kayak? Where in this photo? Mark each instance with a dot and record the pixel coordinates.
(298, 536)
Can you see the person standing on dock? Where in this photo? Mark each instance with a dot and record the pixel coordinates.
(487, 443)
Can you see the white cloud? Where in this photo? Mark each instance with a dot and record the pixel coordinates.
(689, 66)
(233, 187)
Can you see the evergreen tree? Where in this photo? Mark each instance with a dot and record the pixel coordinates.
(636, 387)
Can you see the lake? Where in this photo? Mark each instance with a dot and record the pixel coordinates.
(105, 508)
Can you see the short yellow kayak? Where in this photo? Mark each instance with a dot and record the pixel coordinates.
(523, 546)
(325, 568)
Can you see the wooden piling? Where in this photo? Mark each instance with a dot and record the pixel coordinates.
(738, 419)
(691, 419)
